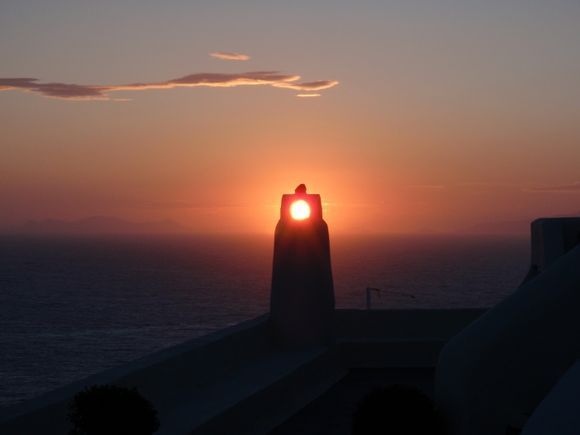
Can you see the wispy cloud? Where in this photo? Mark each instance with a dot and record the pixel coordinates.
(228, 55)
(429, 187)
(307, 86)
(57, 90)
(182, 204)
(562, 188)
(217, 80)
(307, 95)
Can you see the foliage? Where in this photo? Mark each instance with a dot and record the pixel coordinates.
(112, 410)
(397, 410)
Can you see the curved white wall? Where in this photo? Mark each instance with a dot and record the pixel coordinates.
(502, 365)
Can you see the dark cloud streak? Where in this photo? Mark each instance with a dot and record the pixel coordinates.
(57, 90)
(218, 80)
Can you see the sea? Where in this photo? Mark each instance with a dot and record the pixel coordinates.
(73, 306)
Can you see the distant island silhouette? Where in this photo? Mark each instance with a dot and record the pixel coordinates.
(500, 228)
(99, 225)
(520, 227)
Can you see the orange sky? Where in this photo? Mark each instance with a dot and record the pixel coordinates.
(431, 117)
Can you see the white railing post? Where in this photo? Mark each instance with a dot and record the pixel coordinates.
(369, 290)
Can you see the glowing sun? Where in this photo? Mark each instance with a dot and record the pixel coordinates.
(300, 210)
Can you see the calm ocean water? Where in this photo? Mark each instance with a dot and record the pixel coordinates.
(72, 307)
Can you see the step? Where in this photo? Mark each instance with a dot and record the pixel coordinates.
(257, 397)
(384, 353)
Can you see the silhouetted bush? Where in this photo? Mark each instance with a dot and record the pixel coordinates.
(112, 410)
(397, 410)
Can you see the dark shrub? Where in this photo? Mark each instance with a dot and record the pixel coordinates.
(112, 410)
(396, 410)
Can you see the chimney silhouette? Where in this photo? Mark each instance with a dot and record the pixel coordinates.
(302, 294)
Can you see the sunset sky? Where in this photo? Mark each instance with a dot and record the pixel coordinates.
(405, 115)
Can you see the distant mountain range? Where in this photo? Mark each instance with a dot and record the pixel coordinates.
(100, 225)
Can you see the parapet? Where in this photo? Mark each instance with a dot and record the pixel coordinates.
(497, 370)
